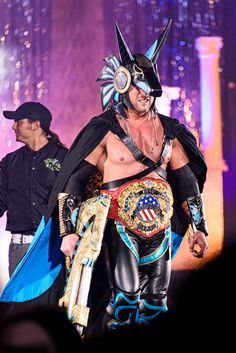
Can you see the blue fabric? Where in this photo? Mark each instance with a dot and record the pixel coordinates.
(121, 230)
(39, 268)
(42, 263)
(176, 241)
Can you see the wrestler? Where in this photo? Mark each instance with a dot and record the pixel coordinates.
(146, 169)
(152, 176)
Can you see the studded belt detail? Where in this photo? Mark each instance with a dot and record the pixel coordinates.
(143, 206)
(18, 238)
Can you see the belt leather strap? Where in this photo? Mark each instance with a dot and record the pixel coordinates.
(136, 152)
(154, 167)
(131, 145)
(116, 183)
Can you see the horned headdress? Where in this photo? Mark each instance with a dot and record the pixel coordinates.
(137, 69)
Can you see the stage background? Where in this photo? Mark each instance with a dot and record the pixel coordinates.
(51, 51)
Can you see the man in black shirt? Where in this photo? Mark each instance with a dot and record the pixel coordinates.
(27, 175)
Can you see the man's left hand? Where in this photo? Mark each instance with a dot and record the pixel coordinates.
(198, 244)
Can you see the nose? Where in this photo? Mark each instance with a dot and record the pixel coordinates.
(14, 125)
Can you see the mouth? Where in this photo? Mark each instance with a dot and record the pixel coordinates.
(143, 98)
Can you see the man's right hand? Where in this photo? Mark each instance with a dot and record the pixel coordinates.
(68, 244)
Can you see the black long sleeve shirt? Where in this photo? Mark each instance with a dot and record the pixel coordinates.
(26, 180)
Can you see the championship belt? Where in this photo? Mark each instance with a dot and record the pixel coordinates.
(145, 206)
(90, 228)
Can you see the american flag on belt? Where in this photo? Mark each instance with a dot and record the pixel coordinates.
(148, 205)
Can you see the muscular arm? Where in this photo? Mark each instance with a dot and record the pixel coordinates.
(179, 157)
(190, 198)
(98, 155)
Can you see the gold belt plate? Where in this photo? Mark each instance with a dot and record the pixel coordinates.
(145, 206)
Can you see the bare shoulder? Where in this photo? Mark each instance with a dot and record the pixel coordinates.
(98, 152)
(103, 142)
(177, 144)
(178, 157)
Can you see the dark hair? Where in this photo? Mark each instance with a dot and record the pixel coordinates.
(52, 135)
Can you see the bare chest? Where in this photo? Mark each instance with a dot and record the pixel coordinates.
(150, 142)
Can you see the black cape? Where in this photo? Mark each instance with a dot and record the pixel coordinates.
(90, 136)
